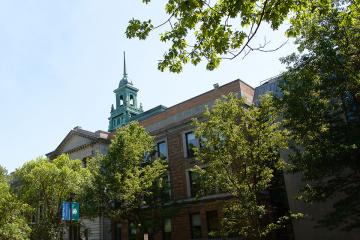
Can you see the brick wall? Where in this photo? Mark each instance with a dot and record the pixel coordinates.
(171, 125)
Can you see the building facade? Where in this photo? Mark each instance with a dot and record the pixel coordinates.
(174, 138)
(82, 144)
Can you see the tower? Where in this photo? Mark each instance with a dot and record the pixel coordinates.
(126, 105)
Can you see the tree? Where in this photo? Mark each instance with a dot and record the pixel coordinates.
(133, 183)
(13, 222)
(321, 106)
(240, 149)
(216, 30)
(43, 185)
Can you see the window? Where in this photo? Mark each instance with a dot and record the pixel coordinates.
(147, 229)
(213, 224)
(132, 231)
(33, 218)
(191, 143)
(121, 100)
(167, 187)
(167, 229)
(194, 183)
(161, 150)
(131, 100)
(195, 226)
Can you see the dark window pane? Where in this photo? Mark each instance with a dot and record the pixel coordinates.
(194, 183)
(167, 229)
(118, 232)
(167, 188)
(132, 231)
(162, 150)
(195, 225)
(191, 143)
(212, 224)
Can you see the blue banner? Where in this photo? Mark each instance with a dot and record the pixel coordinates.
(65, 216)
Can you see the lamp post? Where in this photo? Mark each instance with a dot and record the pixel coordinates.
(73, 234)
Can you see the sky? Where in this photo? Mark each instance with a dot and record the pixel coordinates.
(61, 60)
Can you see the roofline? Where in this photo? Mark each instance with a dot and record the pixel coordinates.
(74, 131)
(238, 80)
(262, 82)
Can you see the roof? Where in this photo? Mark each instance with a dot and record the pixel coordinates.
(98, 136)
(196, 105)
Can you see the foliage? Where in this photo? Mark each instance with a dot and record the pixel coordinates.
(93, 199)
(130, 183)
(13, 222)
(223, 29)
(240, 149)
(43, 185)
(321, 106)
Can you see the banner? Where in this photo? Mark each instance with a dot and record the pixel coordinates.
(75, 211)
(70, 211)
(65, 216)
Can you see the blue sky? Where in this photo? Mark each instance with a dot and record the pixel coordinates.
(61, 60)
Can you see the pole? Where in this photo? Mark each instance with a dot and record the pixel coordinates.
(71, 230)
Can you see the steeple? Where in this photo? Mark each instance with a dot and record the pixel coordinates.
(126, 105)
(125, 73)
(124, 80)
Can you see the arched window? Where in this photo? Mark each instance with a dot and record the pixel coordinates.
(131, 100)
(121, 100)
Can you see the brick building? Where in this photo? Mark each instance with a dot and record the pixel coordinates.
(173, 132)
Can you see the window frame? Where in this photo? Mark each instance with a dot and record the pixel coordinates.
(132, 235)
(192, 227)
(166, 148)
(189, 153)
(189, 181)
(167, 235)
(208, 225)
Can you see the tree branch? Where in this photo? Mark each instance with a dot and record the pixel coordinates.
(252, 35)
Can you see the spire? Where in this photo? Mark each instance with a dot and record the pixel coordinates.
(124, 80)
(125, 73)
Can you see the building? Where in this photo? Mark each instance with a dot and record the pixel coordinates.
(82, 144)
(173, 132)
(306, 228)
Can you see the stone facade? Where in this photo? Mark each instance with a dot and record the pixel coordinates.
(306, 228)
(82, 144)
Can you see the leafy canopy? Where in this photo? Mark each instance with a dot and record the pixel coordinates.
(240, 149)
(131, 183)
(43, 185)
(223, 29)
(321, 106)
(13, 213)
